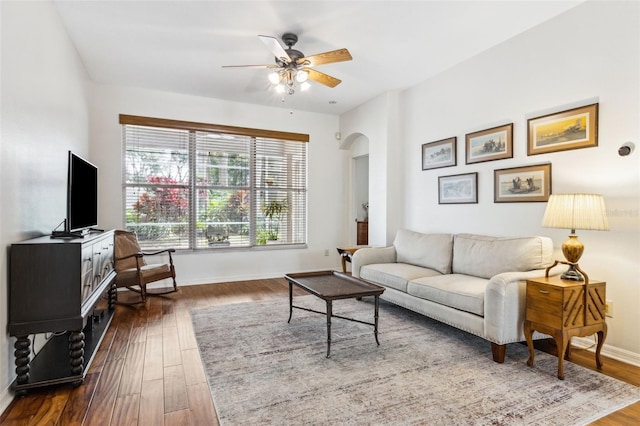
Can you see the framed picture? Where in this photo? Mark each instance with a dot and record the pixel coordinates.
(491, 144)
(560, 131)
(522, 184)
(439, 154)
(458, 189)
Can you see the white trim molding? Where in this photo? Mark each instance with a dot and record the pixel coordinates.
(613, 352)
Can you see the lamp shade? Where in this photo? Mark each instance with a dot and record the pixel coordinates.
(576, 211)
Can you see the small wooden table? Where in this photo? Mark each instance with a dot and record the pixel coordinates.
(564, 309)
(330, 286)
(345, 255)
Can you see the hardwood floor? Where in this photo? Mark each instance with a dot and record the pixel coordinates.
(148, 369)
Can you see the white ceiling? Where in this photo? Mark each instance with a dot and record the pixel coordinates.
(180, 46)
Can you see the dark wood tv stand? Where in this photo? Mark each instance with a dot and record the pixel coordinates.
(55, 286)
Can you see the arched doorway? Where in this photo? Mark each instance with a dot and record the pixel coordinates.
(358, 145)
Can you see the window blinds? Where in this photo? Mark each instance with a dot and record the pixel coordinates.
(192, 189)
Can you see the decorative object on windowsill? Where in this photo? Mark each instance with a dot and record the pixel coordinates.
(292, 66)
(217, 236)
(273, 212)
(365, 207)
(575, 211)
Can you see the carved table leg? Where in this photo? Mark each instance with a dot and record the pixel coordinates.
(22, 352)
(528, 334)
(76, 353)
(562, 341)
(601, 336)
(112, 296)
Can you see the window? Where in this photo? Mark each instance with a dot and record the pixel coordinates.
(195, 186)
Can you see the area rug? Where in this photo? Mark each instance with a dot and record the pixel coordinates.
(262, 370)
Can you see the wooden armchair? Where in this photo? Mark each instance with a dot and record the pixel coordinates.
(133, 272)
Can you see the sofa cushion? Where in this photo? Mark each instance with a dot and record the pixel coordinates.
(462, 292)
(394, 275)
(484, 256)
(432, 251)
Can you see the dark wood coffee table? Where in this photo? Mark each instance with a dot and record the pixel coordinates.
(330, 286)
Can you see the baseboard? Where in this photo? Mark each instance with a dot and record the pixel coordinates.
(613, 352)
(6, 397)
(226, 279)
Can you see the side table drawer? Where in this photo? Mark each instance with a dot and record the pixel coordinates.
(541, 297)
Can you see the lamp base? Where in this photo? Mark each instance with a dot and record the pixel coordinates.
(572, 274)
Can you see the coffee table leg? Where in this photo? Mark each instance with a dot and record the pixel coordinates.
(329, 314)
(375, 319)
(290, 301)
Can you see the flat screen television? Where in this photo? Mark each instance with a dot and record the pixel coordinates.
(82, 198)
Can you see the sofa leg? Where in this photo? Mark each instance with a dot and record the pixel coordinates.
(498, 352)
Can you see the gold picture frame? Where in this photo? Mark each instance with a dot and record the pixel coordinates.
(571, 129)
(491, 144)
(522, 184)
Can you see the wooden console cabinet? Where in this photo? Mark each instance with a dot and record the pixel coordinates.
(55, 285)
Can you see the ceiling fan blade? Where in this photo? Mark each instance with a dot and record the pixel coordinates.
(251, 66)
(322, 78)
(276, 48)
(339, 55)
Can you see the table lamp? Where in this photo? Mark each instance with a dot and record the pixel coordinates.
(575, 211)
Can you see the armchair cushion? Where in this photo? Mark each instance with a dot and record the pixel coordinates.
(126, 245)
(129, 277)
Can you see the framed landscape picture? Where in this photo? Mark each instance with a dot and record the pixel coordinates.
(560, 131)
(491, 144)
(522, 184)
(458, 189)
(439, 154)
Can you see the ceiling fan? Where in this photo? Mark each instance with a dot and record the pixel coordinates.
(292, 66)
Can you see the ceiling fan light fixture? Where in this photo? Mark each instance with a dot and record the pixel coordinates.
(274, 77)
(304, 86)
(280, 88)
(302, 76)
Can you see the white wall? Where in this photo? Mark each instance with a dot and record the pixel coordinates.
(589, 54)
(44, 114)
(371, 120)
(326, 177)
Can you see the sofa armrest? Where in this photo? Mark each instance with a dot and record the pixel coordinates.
(504, 306)
(371, 255)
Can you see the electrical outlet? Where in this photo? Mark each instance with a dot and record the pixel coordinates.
(326, 252)
(608, 309)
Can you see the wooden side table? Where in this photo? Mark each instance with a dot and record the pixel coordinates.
(563, 309)
(346, 253)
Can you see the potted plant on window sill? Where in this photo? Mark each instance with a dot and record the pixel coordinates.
(273, 212)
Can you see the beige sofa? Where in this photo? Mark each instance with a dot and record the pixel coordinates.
(473, 282)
